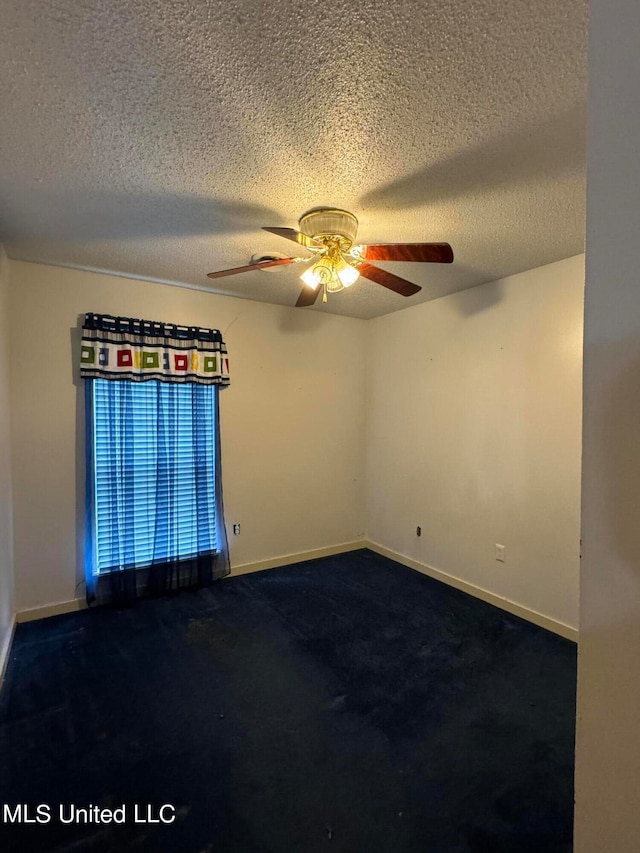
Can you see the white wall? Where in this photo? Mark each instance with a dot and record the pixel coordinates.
(292, 421)
(474, 429)
(6, 533)
(469, 410)
(608, 739)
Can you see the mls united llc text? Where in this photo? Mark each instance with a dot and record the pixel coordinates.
(70, 813)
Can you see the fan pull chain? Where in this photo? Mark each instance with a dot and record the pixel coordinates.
(324, 292)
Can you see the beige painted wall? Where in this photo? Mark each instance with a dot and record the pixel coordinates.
(608, 739)
(6, 533)
(292, 421)
(474, 425)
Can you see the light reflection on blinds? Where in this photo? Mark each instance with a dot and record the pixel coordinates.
(154, 472)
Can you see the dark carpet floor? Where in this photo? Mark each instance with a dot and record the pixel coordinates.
(345, 704)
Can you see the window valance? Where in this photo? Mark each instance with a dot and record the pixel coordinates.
(138, 350)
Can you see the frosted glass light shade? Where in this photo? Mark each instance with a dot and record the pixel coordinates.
(347, 274)
(310, 278)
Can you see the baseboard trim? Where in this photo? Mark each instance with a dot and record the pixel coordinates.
(288, 559)
(55, 609)
(539, 619)
(5, 650)
(60, 607)
(533, 616)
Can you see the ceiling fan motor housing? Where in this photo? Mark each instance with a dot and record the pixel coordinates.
(330, 222)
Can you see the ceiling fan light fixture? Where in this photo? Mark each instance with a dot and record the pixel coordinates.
(330, 271)
(322, 273)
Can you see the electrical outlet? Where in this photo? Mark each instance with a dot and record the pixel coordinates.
(500, 553)
(236, 530)
(418, 531)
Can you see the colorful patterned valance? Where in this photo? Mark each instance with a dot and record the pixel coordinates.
(138, 350)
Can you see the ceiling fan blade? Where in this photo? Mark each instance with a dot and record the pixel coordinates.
(434, 253)
(308, 296)
(261, 266)
(388, 279)
(296, 236)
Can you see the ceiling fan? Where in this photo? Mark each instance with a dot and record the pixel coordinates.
(337, 262)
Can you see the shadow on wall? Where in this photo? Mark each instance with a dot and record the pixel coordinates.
(301, 321)
(617, 433)
(476, 299)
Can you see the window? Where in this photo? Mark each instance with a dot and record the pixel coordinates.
(154, 515)
(154, 447)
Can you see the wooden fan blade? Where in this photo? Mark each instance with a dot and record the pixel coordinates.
(261, 266)
(308, 296)
(388, 279)
(434, 253)
(296, 236)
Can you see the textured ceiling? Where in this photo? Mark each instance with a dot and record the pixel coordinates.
(154, 139)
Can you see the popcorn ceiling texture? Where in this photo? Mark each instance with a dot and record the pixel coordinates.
(154, 139)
